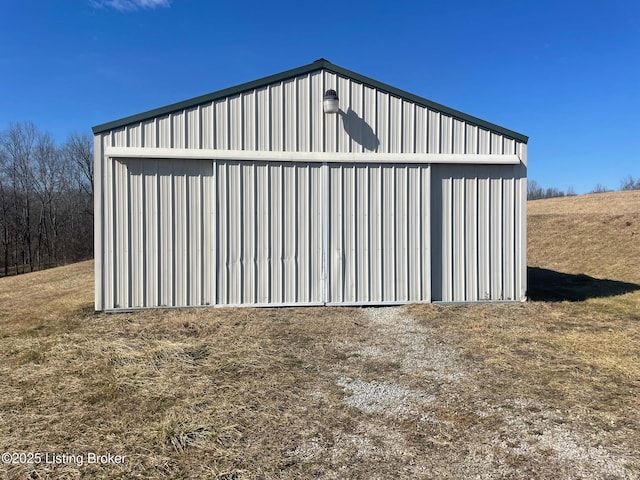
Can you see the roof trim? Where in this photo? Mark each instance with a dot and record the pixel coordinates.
(320, 64)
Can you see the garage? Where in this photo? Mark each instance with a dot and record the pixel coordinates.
(315, 186)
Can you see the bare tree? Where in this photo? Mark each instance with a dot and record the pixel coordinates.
(536, 192)
(629, 183)
(599, 188)
(51, 183)
(79, 151)
(18, 143)
(5, 211)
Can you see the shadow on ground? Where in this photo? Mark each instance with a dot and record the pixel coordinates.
(551, 286)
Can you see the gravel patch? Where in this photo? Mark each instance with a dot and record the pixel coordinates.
(382, 397)
(398, 339)
(412, 345)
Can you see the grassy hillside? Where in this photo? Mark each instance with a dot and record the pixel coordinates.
(545, 389)
(597, 235)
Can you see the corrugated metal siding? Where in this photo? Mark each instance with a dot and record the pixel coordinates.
(181, 238)
(251, 233)
(160, 249)
(269, 220)
(379, 241)
(478, 232)
(379, 223)
(287, 116)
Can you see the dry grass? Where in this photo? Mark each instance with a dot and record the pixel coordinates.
(597, 235)
(537, 390)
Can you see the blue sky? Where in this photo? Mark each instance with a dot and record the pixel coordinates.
(565, 73)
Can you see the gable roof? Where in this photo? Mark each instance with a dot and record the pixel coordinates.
(320, 64)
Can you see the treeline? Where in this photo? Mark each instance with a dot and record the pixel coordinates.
(46, 199)
(536, 192)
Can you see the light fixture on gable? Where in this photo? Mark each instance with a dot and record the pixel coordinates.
(330, 102)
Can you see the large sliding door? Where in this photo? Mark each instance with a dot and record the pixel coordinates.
(211, 232)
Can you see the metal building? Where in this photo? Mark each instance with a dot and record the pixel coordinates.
(254, 195)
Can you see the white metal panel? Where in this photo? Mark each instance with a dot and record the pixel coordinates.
(276, 101)
(471, 234)
(247, 231)
(287, 116)
(122, 276)
(379, 243)
(262, 119)
(395, 124)
(382, 121)
(496, 143)
(471, 139)
(193, 134)
(484, 145)
(303, 85)
(317, 115)
(134, 135)
(509, 249)
(458, 237)
(336, 254)
(417, 244)
(177, 134)
(149, 133)
(236, 129)
(160, 249)
(268, 229)
(496, 236)
(290, 116)
(377, 233)
(119, 137)
(446, 134)
(408, 127)
(421, 130)
(344, 132)
(433, 132)
(459, 140)
(388, 196)
(401, 256)
(137, 221)
(369, 112)
(164, 132)
(484, 237)
(446, 253)
(291, 259)
(331, 122)
(358, 129)
(208, 128)
(221, 122)
(150, 208)
(478, 234)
